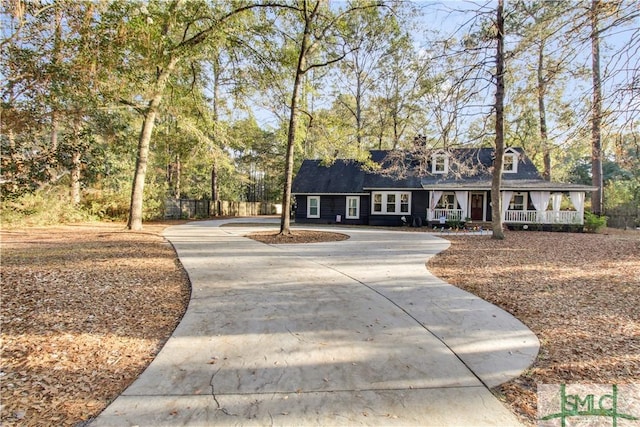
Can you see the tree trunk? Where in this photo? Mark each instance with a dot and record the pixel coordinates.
(596, 114)
(75, 178)
(359, 125)
(542, 112)
(55, 126)
(178, 183)
(216, 97)
(496, 182)
(75, 163)
(285, 219)
(214, 189)
(137, 190)
(56, 59)
(55, 118)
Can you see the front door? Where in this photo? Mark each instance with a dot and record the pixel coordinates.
(477, 206)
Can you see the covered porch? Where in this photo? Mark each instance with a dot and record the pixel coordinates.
(458, 206)
(547, 217)
(542, 207)
(518, 207)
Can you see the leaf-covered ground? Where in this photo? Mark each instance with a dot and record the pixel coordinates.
(579, 293)
(297, 236)
(85, 309)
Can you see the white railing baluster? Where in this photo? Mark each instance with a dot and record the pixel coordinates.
(548, 217)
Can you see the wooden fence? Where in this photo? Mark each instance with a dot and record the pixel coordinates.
(190, 208)
(226, 208)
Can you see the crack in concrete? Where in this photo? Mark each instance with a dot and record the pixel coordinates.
(215, 398)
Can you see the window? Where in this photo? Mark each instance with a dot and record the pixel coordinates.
(439, 163)
(507, 165)
(404, 202)
(313, 207)
(388, 202)
(377, 202)
(447, 201)
(353, 207)
(404, 206)
(391, 203)
(510, 161)
(518, 202)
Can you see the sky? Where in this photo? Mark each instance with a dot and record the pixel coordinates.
(619, 48)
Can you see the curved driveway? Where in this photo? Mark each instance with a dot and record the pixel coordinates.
(355, 332)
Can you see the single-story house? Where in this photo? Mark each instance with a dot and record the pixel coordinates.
(448, 186)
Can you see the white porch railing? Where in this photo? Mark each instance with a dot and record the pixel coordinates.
(449, 214)
(515, 217)
(547, 217)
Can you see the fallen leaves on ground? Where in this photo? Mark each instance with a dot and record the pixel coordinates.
(84, 310)
(297, 236)
(579, 293)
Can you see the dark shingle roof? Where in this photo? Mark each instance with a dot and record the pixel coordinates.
(473, 165)
(343, 176)
(469, 168)
(384, 180)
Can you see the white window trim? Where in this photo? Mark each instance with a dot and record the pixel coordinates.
(444, 196)
(357, 215)
(398, 204)
(436, 156)
(514, 157)
(525, 198)
(309, 198)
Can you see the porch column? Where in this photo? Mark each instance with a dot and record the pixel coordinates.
(506, 198)
(577, 198)
(540, 201)
(463, 200)
(556, 201)
(433, 202)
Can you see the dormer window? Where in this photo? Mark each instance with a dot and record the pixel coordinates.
(510, 161)
(439, 163)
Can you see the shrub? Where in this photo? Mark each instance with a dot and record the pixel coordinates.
(593, 222)
(107, 204)
(42, 208)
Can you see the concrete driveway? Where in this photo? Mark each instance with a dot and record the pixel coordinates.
(355, 332)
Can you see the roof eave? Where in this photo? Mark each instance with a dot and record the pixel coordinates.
(310, 193)
(511, 185)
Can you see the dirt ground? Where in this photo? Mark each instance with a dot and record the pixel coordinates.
(85, 309)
